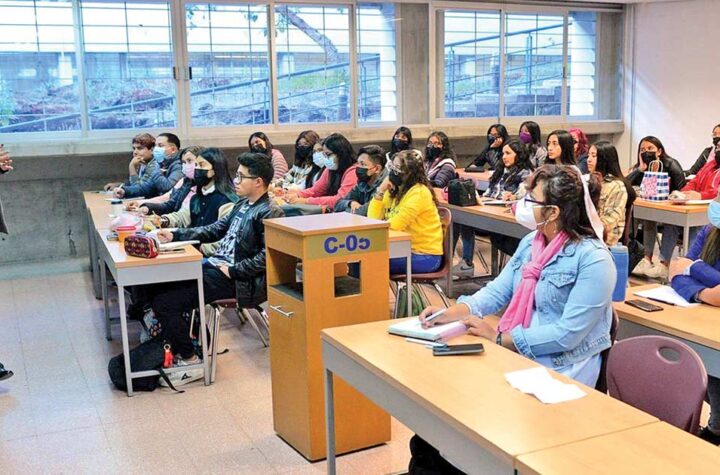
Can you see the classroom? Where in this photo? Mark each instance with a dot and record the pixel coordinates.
(414, 237)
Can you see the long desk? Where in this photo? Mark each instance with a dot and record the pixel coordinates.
(685, 216)
(462, 405)
(400, 246)
(96, 209)
(697, 326)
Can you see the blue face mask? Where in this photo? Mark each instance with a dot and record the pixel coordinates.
(319, 159)
(159, 154)
(714, 213)
(330, 163)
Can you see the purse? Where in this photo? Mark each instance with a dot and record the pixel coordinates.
(461, 192)
(142, 245)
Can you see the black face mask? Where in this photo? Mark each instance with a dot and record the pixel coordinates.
(303, 151)
(362, 174)
(433, 152)
(260, 149)
(400, 144)
(648, 157)
(716, 140)
(395, 179)
(201, 177)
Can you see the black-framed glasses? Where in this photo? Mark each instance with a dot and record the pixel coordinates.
(530, 199)
(240, 177)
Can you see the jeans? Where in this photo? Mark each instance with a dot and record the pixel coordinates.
(713, 392)
(467, 235)
(669, 239)
(419, 264)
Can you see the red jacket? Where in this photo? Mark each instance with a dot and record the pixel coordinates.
(706, 181)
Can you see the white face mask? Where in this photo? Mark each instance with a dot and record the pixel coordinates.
(319, 159)
(525, 215)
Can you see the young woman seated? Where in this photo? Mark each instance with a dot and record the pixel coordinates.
(304, 173)
(560, 148)
(580, 149)
(439, 161)
(402, 140)
(491, 154)
(530, 135)
(260, 143)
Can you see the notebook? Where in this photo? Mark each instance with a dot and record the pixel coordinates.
(665, 294)
(414, 329)
(174, 245)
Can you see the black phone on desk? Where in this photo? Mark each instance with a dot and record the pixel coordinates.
(644, 306)
(448, 350)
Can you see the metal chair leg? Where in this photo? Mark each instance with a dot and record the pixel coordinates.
(249, 318)
(444, 298)
(216, 312)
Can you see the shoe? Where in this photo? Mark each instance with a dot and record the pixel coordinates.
(179, 378)
(709, 436)
(643, 266)
(658, 271)
(463, 269)
(5, 373)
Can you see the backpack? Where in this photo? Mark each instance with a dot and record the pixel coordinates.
(146, 356)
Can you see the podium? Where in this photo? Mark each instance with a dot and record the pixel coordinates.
(343, 281)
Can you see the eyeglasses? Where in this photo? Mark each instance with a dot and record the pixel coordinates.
(391, 166)
(530, 199)
(240, 177)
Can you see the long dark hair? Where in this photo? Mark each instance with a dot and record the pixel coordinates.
(407, 133)
(533, 129)
(522, 160)
(261, 135)
(447, 151)
(311, 137)
(413, 173)
(658, 144)
(567, 146)
(562, 187)
(345, 154)
(711, 249)
(501, 130)
(221, 167)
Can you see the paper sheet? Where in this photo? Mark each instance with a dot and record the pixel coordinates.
(666, 294)
(540, 383)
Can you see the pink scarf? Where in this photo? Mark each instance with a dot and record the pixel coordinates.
(521, 306)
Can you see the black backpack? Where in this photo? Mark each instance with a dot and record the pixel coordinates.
(461, 192)
(146, 356)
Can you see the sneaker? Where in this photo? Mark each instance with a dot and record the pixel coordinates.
(709, 436)
(463, 269)
(5, 373)
(658, 271)
(642, 267)
(178, 378)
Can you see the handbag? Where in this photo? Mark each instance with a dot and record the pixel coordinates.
(655, 185)
(461, 192)
(142, 245)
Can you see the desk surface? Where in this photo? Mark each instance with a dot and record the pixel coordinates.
(502, 213)
(93, 199)
(325, 223)
(471, 395)
(479, 176)
(699, 324)
(121, 260)
(651, 449)
(667, 206)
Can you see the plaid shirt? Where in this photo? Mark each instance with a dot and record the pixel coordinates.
(613, 199)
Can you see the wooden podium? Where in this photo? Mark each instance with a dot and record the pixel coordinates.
(322, 295)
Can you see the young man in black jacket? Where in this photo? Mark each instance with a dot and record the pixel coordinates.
(237, 270)
(167, 154)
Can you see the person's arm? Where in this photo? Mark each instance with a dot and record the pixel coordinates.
(254, 265)
(700, 162)
(343, 204)
(443, 176)
(687, 287)
(415, 201)
(376, 207)
(210, 233)
(677, 176)
(209, 249)
(279, 164)
(173, 204)
(635, 176)
(349, 180)
(165, 181)
(613, 211)
(179, 219)
(710, 296)
(480, 160)
(319, 188)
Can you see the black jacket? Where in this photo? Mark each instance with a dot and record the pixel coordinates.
(489, 156)
(671, 166)
(174, 203)
(249, 269)
(700, 162)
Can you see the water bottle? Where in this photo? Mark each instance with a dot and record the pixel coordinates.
(621, 257)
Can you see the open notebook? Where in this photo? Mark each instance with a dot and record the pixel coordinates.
(168, 246)
(413, 329)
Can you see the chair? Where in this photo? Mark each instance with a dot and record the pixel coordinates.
(640, 374)
(442, 272)
(601, 384)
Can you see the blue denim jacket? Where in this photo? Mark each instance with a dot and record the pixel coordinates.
(573, 302)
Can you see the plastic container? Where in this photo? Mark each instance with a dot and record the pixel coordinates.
(622, 260)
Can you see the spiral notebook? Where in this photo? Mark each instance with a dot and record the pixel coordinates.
(413, 329)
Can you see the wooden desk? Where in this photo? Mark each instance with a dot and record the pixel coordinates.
(400, 246)
(95, 206)
(462, 405)
(481, 179)
(651, 449)
(698, 326)
(685, 216)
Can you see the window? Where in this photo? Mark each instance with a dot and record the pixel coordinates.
(128, 65)
(581, 64)
(38, 74)
(313, 61)
(533, 64)
(376, 63)
(471, 63)
(228, 55)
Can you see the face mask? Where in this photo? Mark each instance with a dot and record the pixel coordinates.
(433, 152)
(260, 149)
(395, 179)
(189, 170)
(400, 144)
(303, 151)
(330, 163)
(201, 177)
(716, 140)
(525, 137)
(362, 174)
(319, 159)
(159, 154)
(714, 213)
(491, 139)
(525, 215)
(647, 157)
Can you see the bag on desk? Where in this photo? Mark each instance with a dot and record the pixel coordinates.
(461, 192)
(144, 357)
(142, 245)
(655, 185)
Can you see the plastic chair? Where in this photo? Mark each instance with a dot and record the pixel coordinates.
(601, 384)
(673, 390)
(442, 272)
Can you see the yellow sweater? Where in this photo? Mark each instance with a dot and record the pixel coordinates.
(415, 214)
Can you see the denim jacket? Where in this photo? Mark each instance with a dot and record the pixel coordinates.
(573, 302)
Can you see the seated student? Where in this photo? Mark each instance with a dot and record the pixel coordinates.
(560, 148)
(142, 165)
(704, 185)
(557, 288)
(407, 201)
(337, 179)
(236, 271)
(260, 143)
(439, 160)
(303, 166)
(616, 195)
(703, 158)
(491, 154)
(697, 278)
(165, 177)
(530, 136)
(652, 152)
(371, 172)
(402, 140)
(580, 149)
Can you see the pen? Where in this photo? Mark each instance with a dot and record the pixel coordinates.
(428, 344)
(435, 315)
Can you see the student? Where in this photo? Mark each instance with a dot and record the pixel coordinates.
(696, 277)
(531, 137)
(580, 149)
(260, 143)
(337, 179)
(407, 201)
(616, 195)
(303, 166)
(651, 149)
(439, 160)
(560, 148)
(371, 172)
(402, 140)
(237, 270)
(557, 286)
(142, 165)
(491, 155)
(5, 166)
(704, 185)
(703, 158)
(165, 177)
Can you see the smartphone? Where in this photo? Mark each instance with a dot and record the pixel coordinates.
(644, 306)
(458, 349)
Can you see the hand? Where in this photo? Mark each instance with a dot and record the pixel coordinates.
(692, 195)
(278, 191)
(678, 266)
(156, 220)
(427, 312)
(143, 210)
(136, 162)
(164, 236)
(385, 185)
(132, 206)
(119, 192)
(354, 206)
(479, 327)
(5, 161)
(643, 165)
(507, 196)
(677, 195)
(294, 199)
(497, 143)
(225, 270)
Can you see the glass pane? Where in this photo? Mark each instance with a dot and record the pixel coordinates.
(472, 63)
(377, 87)
(38, 75)
(228, 53)
(533, 64)
(128, 65)
(313, 60)
(581, 63)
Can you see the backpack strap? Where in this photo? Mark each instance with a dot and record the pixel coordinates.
(164, 376)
